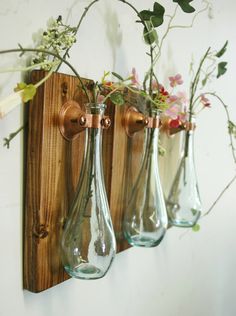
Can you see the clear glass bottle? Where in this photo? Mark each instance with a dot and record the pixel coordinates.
(145, 220)
(88, 243)
(184, 204)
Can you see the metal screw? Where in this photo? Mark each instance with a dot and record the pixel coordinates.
(106, 122)
(82, 120)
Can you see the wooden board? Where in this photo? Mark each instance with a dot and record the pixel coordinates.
(52, 172)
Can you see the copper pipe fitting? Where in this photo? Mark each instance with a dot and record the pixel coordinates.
(72, 120)
(153, 122)
(134, 121)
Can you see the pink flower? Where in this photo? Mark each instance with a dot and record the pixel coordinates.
(172, 99)
(100, 98)
(155, 85)
(173, 111)
(176, 80)
(162, 90)
(206, 102)
(180, 98)
(134, 78)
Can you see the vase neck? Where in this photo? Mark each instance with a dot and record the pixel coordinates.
(93, 144)
(188, 148)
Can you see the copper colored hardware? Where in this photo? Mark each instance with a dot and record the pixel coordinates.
(165, 127)
(72, 120)
(189, 126)
(106, 122)
(134, 121)
(153, 122)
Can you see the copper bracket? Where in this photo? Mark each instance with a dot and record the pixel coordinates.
(72, 120)
(187, 126)
(134, 121)
(153, 122)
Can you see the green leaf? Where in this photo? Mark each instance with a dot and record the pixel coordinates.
(204, 81)
(196, 228)
(158, 18)
(117, 76)
(146, 15)
(28, 93)
(117, 98)
(221, 69)
(194, 211)
(155, 17)
(232, 128)
(150, 36)
(222, 50)
(185, 6)
(20, 86)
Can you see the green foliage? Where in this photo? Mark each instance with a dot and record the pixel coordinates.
(222, 50)
(117, 76)
(117, 98)
(20, 86)
(28, 91)
(221, 69)
(57, 38)
(194, 211)
(204, 81)
(149, 34)
(155, 17)
(185, 6)
(232, 128)
(196, 228)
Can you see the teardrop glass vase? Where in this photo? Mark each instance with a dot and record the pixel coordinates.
(145, 220)
(88, 243)
(184, 204)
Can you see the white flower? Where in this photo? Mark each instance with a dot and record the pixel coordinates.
(10, 102)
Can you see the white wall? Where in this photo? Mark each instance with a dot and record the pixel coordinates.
(189, 274)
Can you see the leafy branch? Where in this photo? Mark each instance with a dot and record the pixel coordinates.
(23, 50)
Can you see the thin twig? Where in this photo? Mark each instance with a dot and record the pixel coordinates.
(8, 139)
(219, 196)
(228, 118)
(77, 28)
(23, 50)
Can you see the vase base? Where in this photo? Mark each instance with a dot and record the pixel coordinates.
(85, 271)
(184, 224)
(142, 241)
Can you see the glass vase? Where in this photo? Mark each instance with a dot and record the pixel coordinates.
(88, 243)
(145, 221)
(184, 204)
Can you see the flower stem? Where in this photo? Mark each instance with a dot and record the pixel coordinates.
(219, 196)
(77, 28)
(228, 119)
(193, 89)
(23, 50)
(8, 139)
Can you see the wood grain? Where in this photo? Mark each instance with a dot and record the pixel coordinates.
(52, 173)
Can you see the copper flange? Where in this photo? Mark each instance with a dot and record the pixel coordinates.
(165, 127)
(72, 120)
(134, 121)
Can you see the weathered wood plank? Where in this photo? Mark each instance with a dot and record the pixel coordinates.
(53, 168)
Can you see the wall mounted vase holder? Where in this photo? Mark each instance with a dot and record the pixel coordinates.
(52, 172)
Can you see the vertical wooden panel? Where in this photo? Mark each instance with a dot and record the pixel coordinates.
(53, 168)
